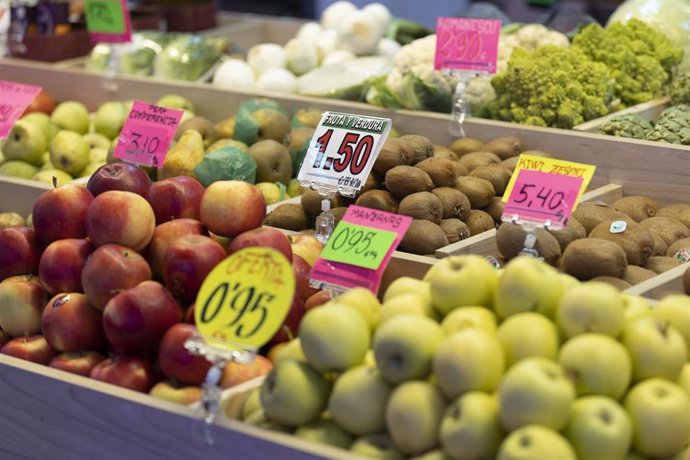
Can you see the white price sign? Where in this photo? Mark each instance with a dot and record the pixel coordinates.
(343, 150)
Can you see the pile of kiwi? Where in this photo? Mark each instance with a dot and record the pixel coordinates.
(451, 192)
(591, 248)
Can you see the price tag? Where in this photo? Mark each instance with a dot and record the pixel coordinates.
(467, 44)
(146, 134)
(108, 21)
(343, 151)
(245, 298)
(359, 249)
(14, 99)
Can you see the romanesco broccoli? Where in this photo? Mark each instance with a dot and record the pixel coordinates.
(630, 125)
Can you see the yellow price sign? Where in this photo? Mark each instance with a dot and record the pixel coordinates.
(245, 298)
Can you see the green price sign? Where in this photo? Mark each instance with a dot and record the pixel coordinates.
(358, 245)
(105, 16)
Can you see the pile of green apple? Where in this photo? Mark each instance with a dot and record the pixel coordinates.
(474, 363)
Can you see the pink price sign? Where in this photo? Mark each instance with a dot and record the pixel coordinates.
(541, 197)
(14, 99)
(146, 134)
(366, 238)
(467, 44)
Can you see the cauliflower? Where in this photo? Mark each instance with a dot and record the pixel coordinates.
(528, 37)
(680, 90)
(626, 126)
(479, 93)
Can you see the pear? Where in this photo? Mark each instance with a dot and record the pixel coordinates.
(226, 128)
(266, 123)
(181, 160)
(11, 219)
(25, 142)
(91, 168)
(18, 168)
(109, 119)
(309, 118)
(98, 155)
(69, 152)
(297, 142)
(273, 162)
(47, 176)
(201, 124)
(222, 143)
(174, 101)
(71, 115)
(43, 120)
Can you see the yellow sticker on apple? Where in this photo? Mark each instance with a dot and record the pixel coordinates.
(554, 166)
(245, 299)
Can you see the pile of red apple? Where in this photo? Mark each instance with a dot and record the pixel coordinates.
(104, 284)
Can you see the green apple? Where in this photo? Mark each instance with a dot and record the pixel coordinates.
(69, 152)
(635, 456)
(413, 416)
(324, 431)
(334, 337)
(18, 168)
(48, 176)
(469, 317)
(675, 310)
(470, 428)
(414, 304)
(97, 140)
(379, 446)
(568, 281)
(175, 101)
(25, 142)
(358, 400)
(252, 403)
(362, 300)
(542, 339)
(656, 348)
(599, 429)
(458, 281)
(469, 360)
(534, 442)
(109, 118)
(72, 116)
(42, 120)
(593, 306)
(684, 379)
(437, 454)
(293, 350)
(659, 411)
(682, 455)
(635, 306)
(407, 285)
(535, 391)
(528, 284)
(597, 365)
(294, 393)
(404, 347)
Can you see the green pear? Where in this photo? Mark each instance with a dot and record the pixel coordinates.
(684, 379)
(202, 125)
(599, 429)
(48, 176)
(542, 339)
(17, 168)
(265, 123)
(175, 101)
(379, 446)
(11, 219)
(469, 317)
(324, 431)
(411, 303)
(25, 142)
(98, 155)
(42, 120)
(69, 152)
(413, 416)
(656, 349)
(309, 117)
(72, 116)
(534, 442)
(91, 168)
(109, 119)
(675, 310)
(593, 306)
(273, 163)
(293, 350)
(30, 220)
(222, 143)
(47, 164)
(96, 140)
(437, 454)
(252, 403)
(407, 285)
(358, 400)
(181, 160)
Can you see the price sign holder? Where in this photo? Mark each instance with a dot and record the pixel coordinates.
(14, 99)
(359, 250)
(339, 159)
(242, 303)
(466, 48)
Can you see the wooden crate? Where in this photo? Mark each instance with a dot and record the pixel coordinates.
(649, 111)
(247, 30)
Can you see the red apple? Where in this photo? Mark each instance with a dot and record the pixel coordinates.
(176, 362)
(80, 362)
(22, 300)
(110, 269)
(20, 251)
(187, 262)
(126, 371)
(290, 326)
(172, 392)
(61, 265)
(164, 234)
(4, 338)
(44, 102)
(262, 236)
(301, 269)
(70, 324)
(306, 246)
(32, 348)
(60, 213)
(235, 373)
(175, 198)
(320, 298)
(121, 175)
(122, 218)
(188, 316)
(137, 319)
(231, 207)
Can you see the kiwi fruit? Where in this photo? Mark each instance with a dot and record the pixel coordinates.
(423, 237)
(618, 283)
(680, 212)
(573, 231)
(339, 212)
(498, 175)
(466, 145)
(290, 216)
(660, 246)
(661, 264)
(378, 199)
(588, 258)
(495, 209)
(504, 147)
(479, 221)
(441, 171)
(635, 275)
(637, 207)
(677, 246)
(311, 201)
(686, 282)
(510, 164)
(394, 152)
(373, 182)
(591, 214)
(510, 241)
(420, 146)
(445, 153)
(637, 241)
(668, 229)
(404, 180)
(455, 230)
(475, 159)
(423, 206)
(455, 203)
(479, 191)
(537, 153)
